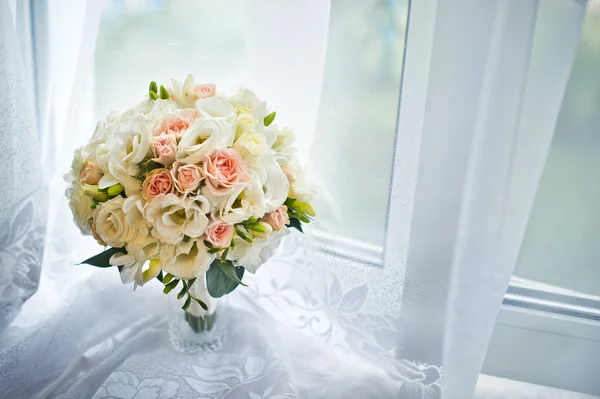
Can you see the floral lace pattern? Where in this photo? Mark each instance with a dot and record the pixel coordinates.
(21, 251)
(318, 324)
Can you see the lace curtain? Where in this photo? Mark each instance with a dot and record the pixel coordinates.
(22, 199)
(481, 89)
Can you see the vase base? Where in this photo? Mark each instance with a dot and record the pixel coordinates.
(192, 334)
(193, 346)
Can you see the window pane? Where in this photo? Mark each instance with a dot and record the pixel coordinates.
(356, 128)
(561, 245)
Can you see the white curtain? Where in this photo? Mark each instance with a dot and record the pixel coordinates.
(482, 85)
(497, 75)
(22, 197)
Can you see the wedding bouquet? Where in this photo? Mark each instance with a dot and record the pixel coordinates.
(190, 187)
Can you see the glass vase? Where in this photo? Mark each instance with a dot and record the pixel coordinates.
(191, 333)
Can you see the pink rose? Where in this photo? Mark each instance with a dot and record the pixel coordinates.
(224, 169)
(187, 178)
(159, 181)
(219, 234)
(90, 173)
(278, 218)
(175, 124)
(205, 90)
(164, 148)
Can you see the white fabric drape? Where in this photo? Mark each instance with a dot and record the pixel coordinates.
(496, 73)
(22, 216)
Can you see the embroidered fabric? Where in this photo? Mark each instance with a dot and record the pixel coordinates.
(292, 337)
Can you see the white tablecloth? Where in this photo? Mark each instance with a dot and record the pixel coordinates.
(293, 333)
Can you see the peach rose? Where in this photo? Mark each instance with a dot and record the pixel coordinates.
(164, 148)
(159, 181)
(175, 124)
(219, 234)
(187, 178)
(90, 173)
(278, 218)
(205, 90)
(224, 169)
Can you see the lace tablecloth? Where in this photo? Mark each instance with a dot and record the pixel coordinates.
(293, 333)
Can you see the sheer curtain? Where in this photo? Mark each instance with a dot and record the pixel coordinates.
(481, 89)
(22, 196)
(497, 75)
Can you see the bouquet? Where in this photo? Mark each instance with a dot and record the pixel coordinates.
(190, 187)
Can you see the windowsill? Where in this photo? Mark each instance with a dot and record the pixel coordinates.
(489, 387)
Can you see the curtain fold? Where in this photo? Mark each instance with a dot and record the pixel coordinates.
(498, 72)
(22, 199)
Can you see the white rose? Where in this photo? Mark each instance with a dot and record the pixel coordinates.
(245, 122)
(245, 201)
(252, 255)
(186, 93)
(112, 226)
(253, 145)
(160, 109)
(275, 186)
(216, 107)
(300, 188)
(204, 136)
(284, 145)
(244, 98)
(135, 259)
(133, 207)
(174, 218)
(80, 207)
(186, 260)
(128, 147)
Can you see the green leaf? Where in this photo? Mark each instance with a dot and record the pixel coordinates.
(153, 87)
(164, 93)
(243, 235)
(115, 190)
(182, 292)
(94, 205)
(202, 304)
(213, 250)
(270, 118)
(289, 202)
(259, 228)
(187, 303)
(295, 223)
(160, 276)
(303, 218)
(167, 279)
(218, 282)
(103, 258)
(150, 165)
(191, 282)
(230, 271)
(170, 286)
(153, 95)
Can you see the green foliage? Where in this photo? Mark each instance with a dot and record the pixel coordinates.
(164, 93)
(102, 259)
(222, 278)
(270, 118)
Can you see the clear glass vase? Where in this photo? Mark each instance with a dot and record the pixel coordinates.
(191, 334)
